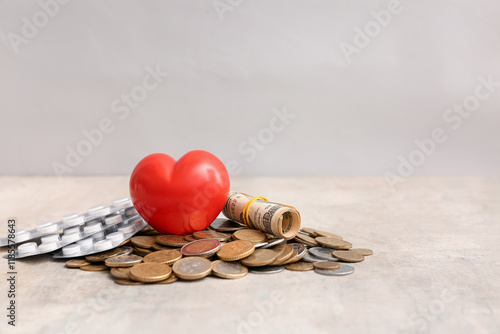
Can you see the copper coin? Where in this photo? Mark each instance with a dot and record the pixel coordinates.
(300, 266)
(319, 233)
(164, 256)
(208, 234)
(121, 273)
(189, 238)
(305, 239)
(236, 250)
(94, 267)
(348, 256)
(202, 247)
(301, 252)
(334, 243)
(362, 251)
(285, 251)
(150, 272)
(100, 257)
(142, 251)
(143, 241)
(122, 281)
(77, 263)
(326, 265)
(308, 230)
(157, 246)
(169, 280)
(290, 259)
(254, 236)
(260, 257)
(171, 240)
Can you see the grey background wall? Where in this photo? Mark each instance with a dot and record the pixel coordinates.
(270, 87)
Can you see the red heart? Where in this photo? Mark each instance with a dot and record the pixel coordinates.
(179, 197)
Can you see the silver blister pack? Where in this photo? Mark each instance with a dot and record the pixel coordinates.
(73, 221)
(108, 239)
(81, 241)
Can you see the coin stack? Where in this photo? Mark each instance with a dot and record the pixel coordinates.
(227, 250)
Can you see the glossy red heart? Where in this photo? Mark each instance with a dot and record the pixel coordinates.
(179, 197)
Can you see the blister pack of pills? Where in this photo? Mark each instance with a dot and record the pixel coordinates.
(98, 241)
(84, 223)
(108, 239)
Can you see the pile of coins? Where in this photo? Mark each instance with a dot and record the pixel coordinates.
(227, 250)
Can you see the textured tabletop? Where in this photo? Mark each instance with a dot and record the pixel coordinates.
(435, 268)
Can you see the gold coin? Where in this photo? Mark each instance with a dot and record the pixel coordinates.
(362, 251)
(169, 280)
(121, 273)
(189, 238)
(305, 239)
(254, 236)
(142, 251)
(122, 281)
(285, 251)
(100, 257)
(300, 266)
(143, 241)
(192, 268)
(171, 240)
(77, 263)
(94, 267)
(319, 233)
(348, 256)
(228, 269)
(208, 234)
(260, 257)
(326, 265)
(333, 243)
(235, 250)
(164, 256)
(150, 272)
(123, 261)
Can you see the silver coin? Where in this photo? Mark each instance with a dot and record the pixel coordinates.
(273, 243)
(262, 244)
(226, 225)
(193, 265)
(323, 253)
(267, 270)
(343, 270)
(311, 258)
(126, 250)
(300, 248)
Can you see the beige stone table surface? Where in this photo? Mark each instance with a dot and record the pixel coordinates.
(435, 268)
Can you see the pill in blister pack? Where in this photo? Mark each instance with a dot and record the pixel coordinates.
(73, 239)
(122, 205)
(108, 239)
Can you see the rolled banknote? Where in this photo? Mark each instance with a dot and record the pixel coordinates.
(257, 213)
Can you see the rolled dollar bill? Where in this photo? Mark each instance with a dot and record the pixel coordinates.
(257, 213)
